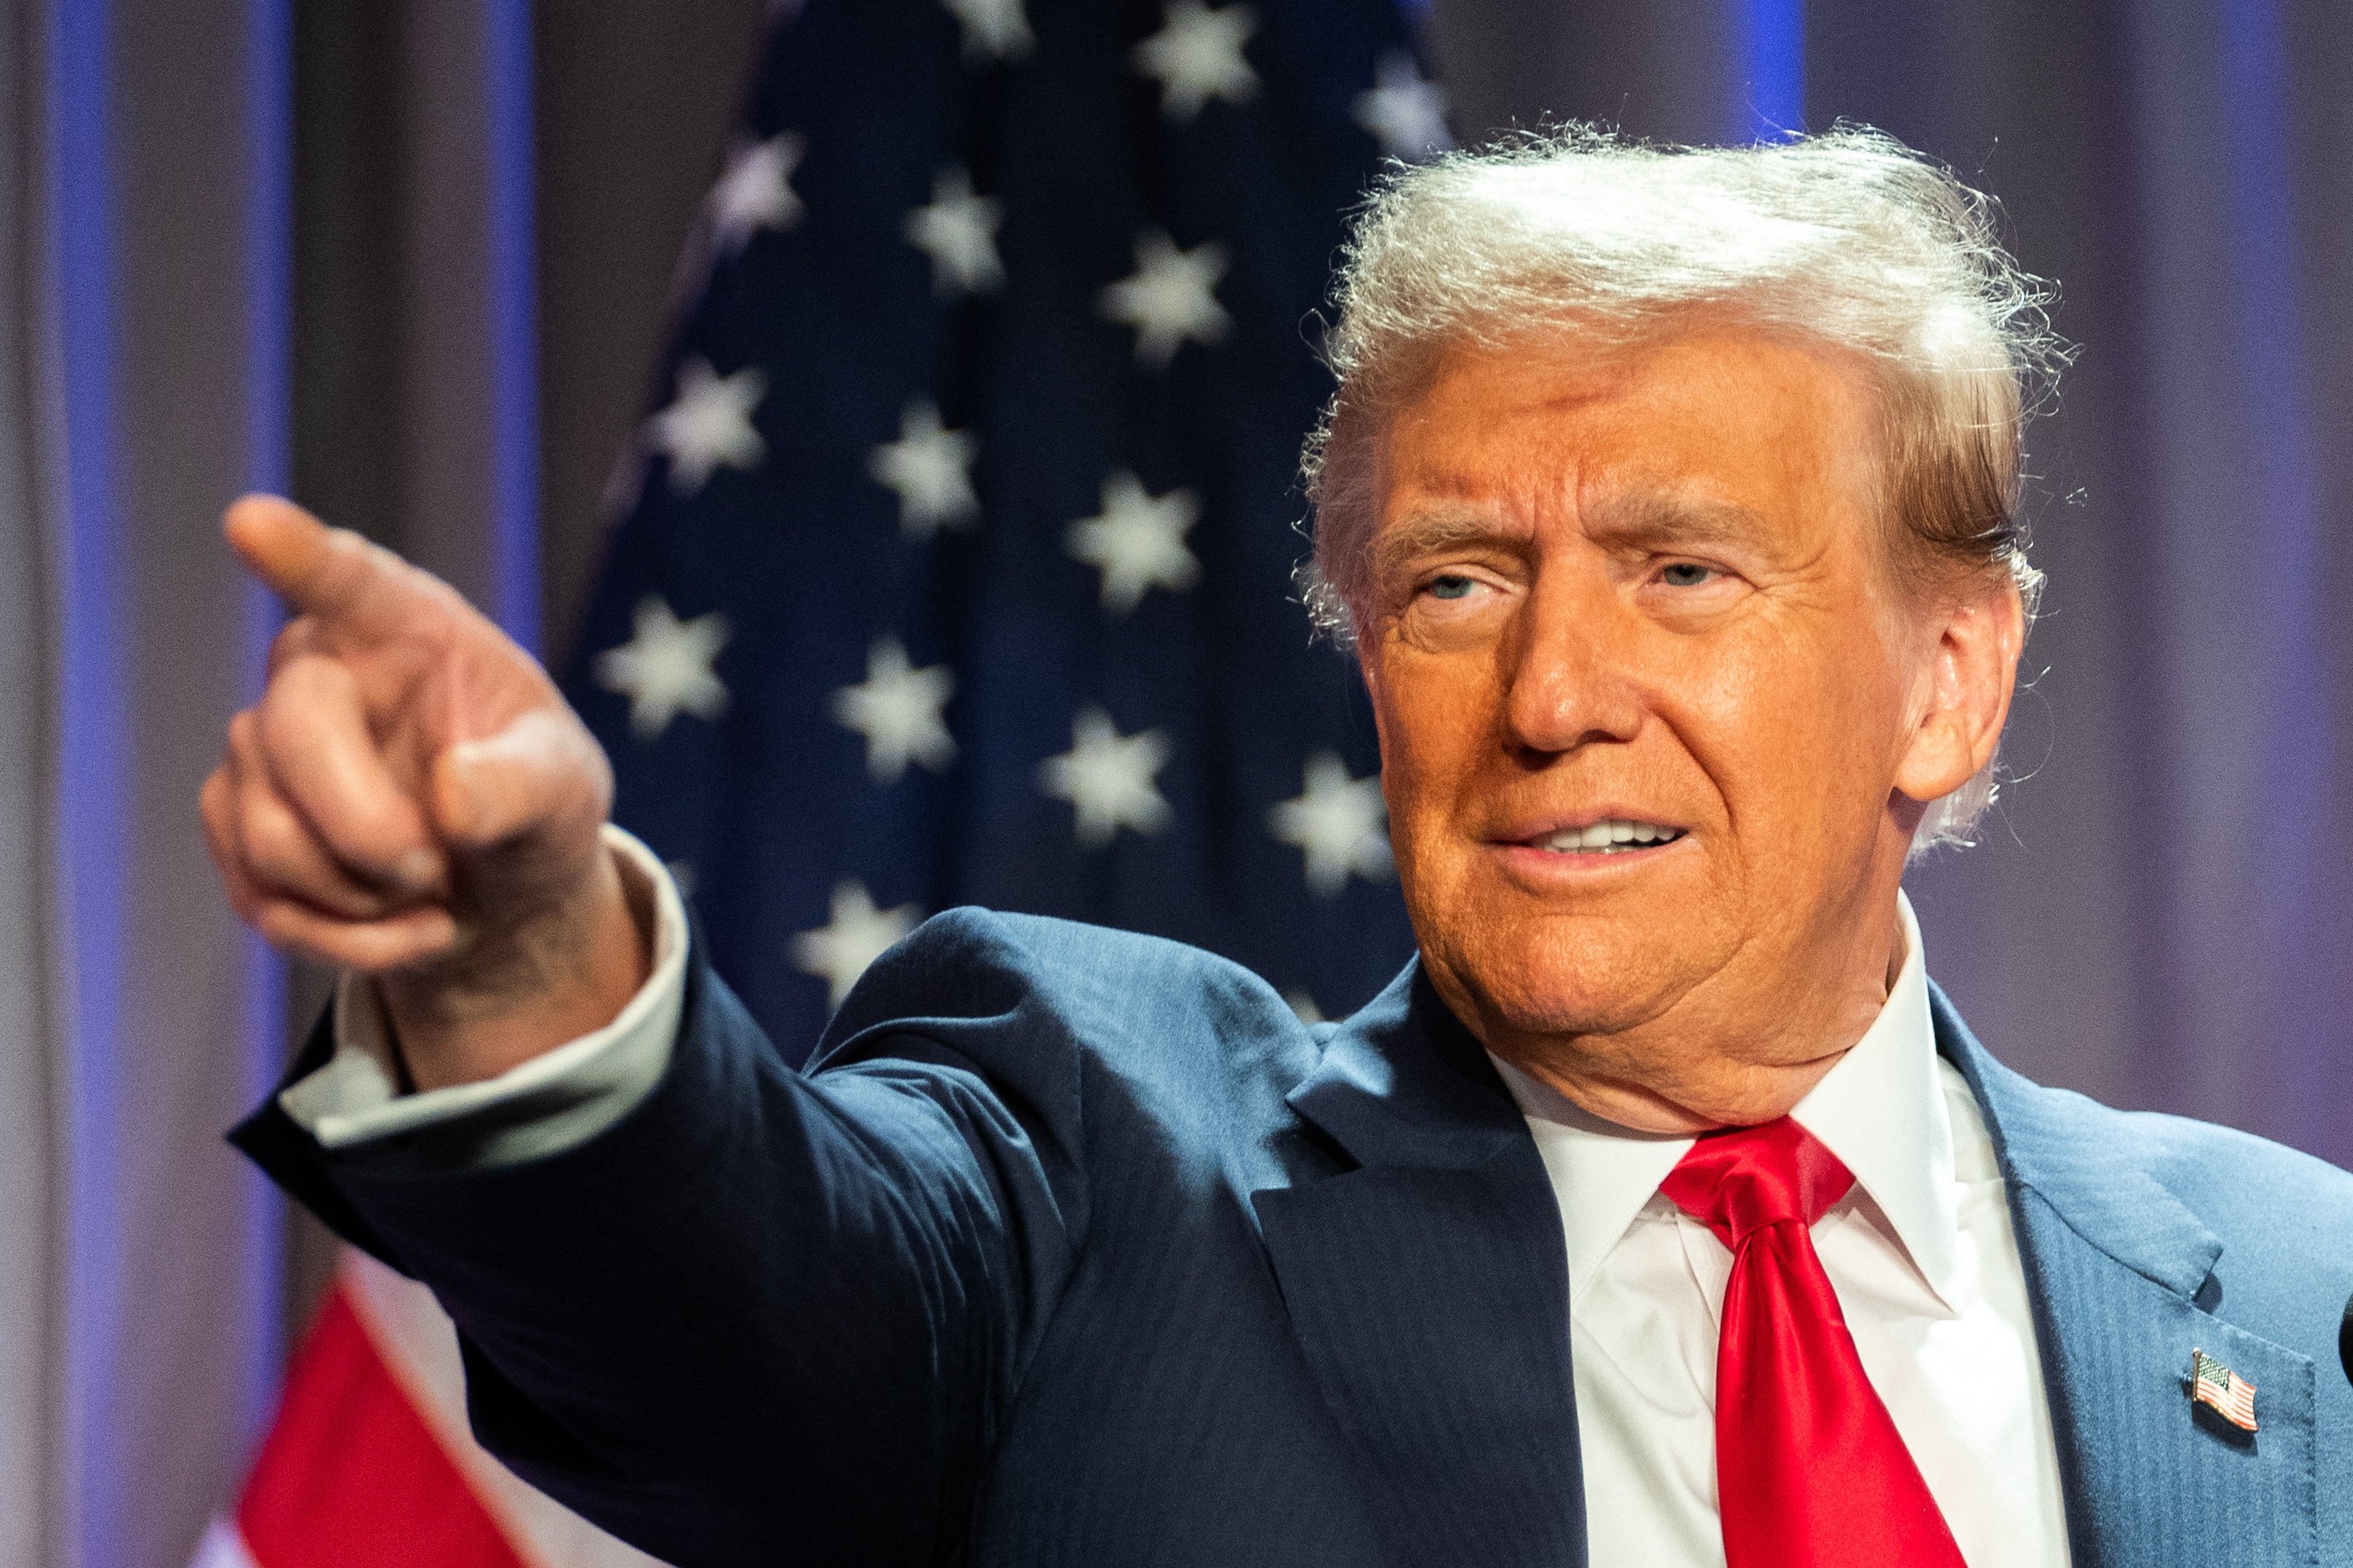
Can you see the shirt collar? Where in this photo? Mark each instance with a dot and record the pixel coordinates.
(1602, 1174)
(1880, 1110)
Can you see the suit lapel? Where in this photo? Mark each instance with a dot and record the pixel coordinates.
(1429, 1289)
(2121, 1275)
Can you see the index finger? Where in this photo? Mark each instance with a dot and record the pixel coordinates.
(330, 573)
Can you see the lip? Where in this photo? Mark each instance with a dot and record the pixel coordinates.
(1560, 869)
(1516, 847)
(1524, 833)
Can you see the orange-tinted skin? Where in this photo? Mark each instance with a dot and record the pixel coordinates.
(1653, 584)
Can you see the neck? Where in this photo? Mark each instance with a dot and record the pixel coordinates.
(1701, 1065)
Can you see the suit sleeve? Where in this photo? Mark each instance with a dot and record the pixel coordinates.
(766, 1315)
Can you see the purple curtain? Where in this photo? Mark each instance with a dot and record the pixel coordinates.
(2160, 910)
(2158, 915)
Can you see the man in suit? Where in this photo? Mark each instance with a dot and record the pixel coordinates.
(1660, 1212)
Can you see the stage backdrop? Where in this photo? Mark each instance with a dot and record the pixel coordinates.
(2158, 915)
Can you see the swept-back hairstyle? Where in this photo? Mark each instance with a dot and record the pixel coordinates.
(1848, 239)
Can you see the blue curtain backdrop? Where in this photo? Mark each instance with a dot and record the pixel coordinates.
(2158, 914)
(153, 235)
(147, 276)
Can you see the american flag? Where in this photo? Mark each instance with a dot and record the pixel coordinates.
(2232, 1397)
(958, 563)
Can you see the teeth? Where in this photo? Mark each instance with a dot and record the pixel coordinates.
(1616, 835)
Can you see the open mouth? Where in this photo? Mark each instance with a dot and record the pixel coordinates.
(1614, 835)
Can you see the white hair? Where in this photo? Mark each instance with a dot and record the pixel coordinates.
(1848, 239)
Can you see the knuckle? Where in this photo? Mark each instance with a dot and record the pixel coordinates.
(276, 846)
(280, 723)
(220, 835)
(307, 679)
(278, 922)
(242, 894)
(341, 562)
(371, 825)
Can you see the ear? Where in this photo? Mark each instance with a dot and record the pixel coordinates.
(1963, 693)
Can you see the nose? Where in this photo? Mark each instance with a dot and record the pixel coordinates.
(1568, 680)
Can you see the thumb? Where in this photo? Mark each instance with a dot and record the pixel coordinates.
(540, 777)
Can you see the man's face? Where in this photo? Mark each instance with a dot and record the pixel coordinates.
(1648, 590)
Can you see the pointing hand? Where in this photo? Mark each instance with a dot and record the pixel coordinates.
(411, 798)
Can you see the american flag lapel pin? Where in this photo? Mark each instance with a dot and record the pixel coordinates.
(2225, 1392)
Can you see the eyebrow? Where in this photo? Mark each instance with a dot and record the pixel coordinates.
(1427, 533)
(1650, 520)
(1657, 520)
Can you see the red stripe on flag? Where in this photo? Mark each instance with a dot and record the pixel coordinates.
(351, 1477)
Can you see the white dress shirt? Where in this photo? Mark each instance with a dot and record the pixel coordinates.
(1926, 1269)
(1920, 1252)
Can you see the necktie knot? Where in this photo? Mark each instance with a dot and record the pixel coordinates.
(1742, 1179)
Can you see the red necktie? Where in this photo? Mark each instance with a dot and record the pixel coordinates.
(1809, 1470)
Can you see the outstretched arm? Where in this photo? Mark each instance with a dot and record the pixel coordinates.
(760, 1316)
(766, 1316)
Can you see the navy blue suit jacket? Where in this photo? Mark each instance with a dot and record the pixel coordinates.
(1075, 1247)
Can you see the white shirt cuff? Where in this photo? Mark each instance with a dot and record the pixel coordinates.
(555, 1102)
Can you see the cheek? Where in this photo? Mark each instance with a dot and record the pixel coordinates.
(1434, 714)
(1795, 732)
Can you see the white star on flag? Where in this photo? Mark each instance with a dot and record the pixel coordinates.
(1107, 777)
(898, 709)
(931, 467)
(665, 669)
(1170, 296)
(958, 231)
(1137, 541)
(1406, 113)
(756, 191)
(1198, 55)
(709, 425)
(992, 29)
(858, 933)
(1337, 821)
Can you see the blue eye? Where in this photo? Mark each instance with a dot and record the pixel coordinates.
(1686, 574)
(1450, 587)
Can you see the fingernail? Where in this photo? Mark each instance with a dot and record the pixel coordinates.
(416, 870)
